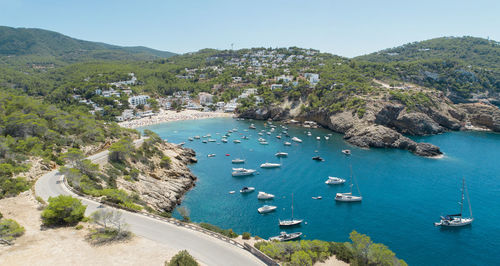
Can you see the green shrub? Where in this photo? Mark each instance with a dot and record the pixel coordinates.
(10, 187)
(300, 258)
(183, 258)
(79, 227)
(40, 200)
(246, 235)
(226, 232)
(165, 162)
(102, 236)
(342, 252)
(10, 229)
(63, 210)
(184, 212)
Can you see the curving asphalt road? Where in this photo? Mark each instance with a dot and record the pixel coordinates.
(208, 250)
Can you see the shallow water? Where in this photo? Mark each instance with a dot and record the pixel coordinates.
(403, 194)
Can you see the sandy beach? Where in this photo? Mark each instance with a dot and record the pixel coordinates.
(169, 116)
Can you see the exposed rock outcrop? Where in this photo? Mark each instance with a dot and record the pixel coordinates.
(162, 188)
(482, 115)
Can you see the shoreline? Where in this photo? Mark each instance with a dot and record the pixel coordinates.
(165, 116)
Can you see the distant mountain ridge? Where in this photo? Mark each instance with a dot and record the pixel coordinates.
(471, 50)
(23, 42)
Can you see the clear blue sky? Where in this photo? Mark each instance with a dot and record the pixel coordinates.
(344, 27)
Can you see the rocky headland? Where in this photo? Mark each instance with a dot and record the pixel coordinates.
(386, 120)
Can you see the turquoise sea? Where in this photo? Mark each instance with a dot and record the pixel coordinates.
(403, 194)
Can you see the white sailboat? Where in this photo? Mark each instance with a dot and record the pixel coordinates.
(270, 165)
(348, 196)
(266, 209)
(456, 220)
(290, 222)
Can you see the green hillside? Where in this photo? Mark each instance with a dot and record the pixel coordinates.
(23, 46)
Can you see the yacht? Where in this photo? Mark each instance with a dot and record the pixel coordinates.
(264, 196)
(317, 197)
(296, 139)
(224, 140)
(211, 155)
(266, 209)
(197, 137)
(260, 134)
(346, 152)
(327, 138)
(334, 181)
(268, 133)
(237, 141)
(348, 196)
(278, 136)
(238, 160)
(270, 165)
(252, 126)
(286, 237)
(264, 142)
(212, 140)
(292, 221)
(204, 141)
(318, 138)
(287, 143)
(190, 139)
(242, 172)
(317, 158)
(247, 189)
(456, 220)
(281, 154)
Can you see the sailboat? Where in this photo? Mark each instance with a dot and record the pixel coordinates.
(292, 221)
(347, 196)
(456, 220)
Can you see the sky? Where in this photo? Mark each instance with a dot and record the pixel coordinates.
(345, 27)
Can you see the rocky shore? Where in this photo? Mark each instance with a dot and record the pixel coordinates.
(385, 121)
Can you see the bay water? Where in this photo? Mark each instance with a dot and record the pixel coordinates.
(403, 194)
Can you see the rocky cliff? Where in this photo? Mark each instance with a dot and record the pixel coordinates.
(161, 185)
(386, 120)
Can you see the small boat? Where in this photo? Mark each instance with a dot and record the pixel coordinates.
(227, 154)
(237, 141)
(260, 134)
(232, 192)
(281, 154)
(224, 140)
(263, 142)
(317, 158)
(290, 222)
(266, 209)
(296, 139)
(334, 181)
(244, 137)
(212, 140)
(237, 160)
(456, 220)
(309, 134)
(287, 144)
(270, 165)
(327, 138)
(318, 197)
(204, 141)
(268, 133)
(208, 135)
(211, 155)
(278, 136)
(286, 237)
(197, 137)
(346, 152)
(264, 196)
(252, 126)
(247, 189)
(190, 139)
(318, 138)
(242, 172)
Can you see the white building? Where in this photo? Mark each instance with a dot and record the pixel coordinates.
(136, 100)
(313, 78)
(205, 98)
(284, 78)
(276, 86)
(230, 107)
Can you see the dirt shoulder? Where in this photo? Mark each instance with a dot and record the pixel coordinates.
(67, 246)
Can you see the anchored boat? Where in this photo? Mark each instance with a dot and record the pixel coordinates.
(456, 220)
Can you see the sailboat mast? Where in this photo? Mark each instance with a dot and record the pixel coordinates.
(468, 199)
(292, 206)
(462, 202)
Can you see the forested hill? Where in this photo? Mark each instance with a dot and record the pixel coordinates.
(471, 50)
(25, 45)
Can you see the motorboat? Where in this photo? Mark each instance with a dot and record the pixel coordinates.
(281, 154)
(190, 139)
(309, 134)
(286, 237)
(232, 192)
(347, 197)
(270, 165)
(197, 137)
(317, 158)
(278, 136)
(287, 143)
(237, 141)
(244, 137)
(260, 134)
(266, 209)
(212, 140)
(334, 181)
(211, 155)
(262, 139)
(346, 152)
(317, 197)
(291, 221)
(318, 138)
(224, 140)
(252, 126)
(327, 138)
(457, 220)
(296, 139)
(242, 172)
(208, 135)
(264, 142)
(204, 141)
(268, 133)
(238, 160)
(264, 196)
(247, 189)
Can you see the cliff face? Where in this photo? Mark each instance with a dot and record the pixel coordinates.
(385, 121)
(161, 187)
